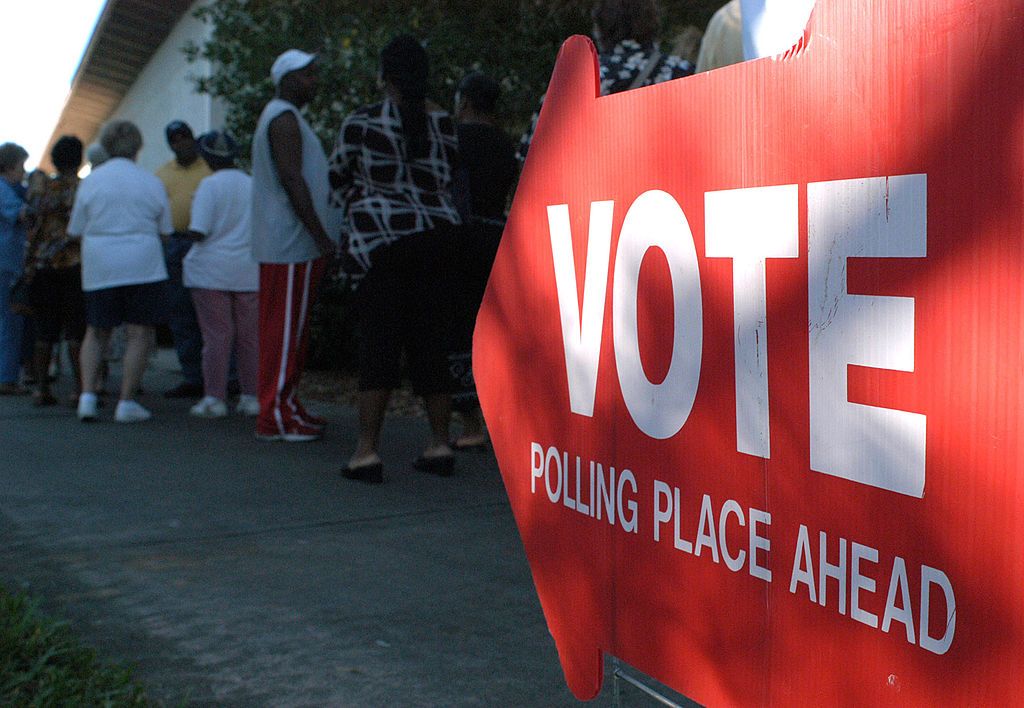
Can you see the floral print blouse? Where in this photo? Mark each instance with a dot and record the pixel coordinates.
(619, 69)
(49, 245)
(621, 66)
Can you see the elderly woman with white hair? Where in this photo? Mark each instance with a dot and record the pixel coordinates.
(120, 212)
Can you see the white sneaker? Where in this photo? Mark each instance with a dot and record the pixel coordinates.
(248, 405)
(209, 407)
(87, 407)
(130, 412)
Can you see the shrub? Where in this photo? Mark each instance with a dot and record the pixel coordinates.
(513, 41)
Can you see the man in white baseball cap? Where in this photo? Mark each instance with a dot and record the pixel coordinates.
(291, 226)
(289, 61)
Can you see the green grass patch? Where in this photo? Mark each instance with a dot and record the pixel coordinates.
(43, 664)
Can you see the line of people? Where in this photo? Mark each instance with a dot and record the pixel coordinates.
(126, 248)
(419, 206)
(410, 205)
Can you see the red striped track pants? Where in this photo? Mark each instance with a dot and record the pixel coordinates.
(287, 292)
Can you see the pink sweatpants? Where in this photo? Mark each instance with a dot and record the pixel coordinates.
(228, 318)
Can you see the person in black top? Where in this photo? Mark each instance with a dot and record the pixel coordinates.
(391, 175)
(487, 171)
(487, 151)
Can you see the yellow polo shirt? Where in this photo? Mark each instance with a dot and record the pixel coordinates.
(181, 183)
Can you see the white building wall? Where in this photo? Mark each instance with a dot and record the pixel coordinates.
(164, 92)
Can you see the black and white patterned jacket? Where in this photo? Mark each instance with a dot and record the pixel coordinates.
(384, 196)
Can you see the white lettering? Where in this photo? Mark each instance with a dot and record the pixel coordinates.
(628, 524)
(661, 516)
(904, 613)
(606, 493)
(759, 542)
(553, 494)
(882, 217)
(536, 465)
(581, 331)
(803, 565)
(860, 582)
(750, 226)
(731, 507)
(706, 529)
(655, 220)
(566, 498)
(677, 539)
(929, 577)
(827, 570)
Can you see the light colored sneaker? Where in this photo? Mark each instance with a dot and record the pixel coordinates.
(248, 405)
(209, 407)
(130, 412)
(87, 407)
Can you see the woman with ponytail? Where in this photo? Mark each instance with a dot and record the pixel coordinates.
(391, 174)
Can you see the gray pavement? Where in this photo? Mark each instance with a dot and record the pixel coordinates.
(231, 572)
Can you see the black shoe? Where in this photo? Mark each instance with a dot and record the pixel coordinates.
(371, 474)
(184, 390)
(442, 466)
(459, 446)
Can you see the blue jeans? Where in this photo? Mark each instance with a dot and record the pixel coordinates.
(181, 315)
(11, 330)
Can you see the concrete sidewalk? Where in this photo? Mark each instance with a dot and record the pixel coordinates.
(231, 572)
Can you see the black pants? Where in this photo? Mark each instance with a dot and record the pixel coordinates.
(404, 310)
(471, 257)
(59, 304)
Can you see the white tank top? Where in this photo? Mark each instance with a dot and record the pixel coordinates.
(277, 234)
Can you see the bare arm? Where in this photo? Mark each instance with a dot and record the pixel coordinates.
(286, 151)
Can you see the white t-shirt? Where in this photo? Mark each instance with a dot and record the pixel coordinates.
(277, 234)
(120, 212)
(220, 211)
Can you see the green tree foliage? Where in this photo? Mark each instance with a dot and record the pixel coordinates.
(514, 41)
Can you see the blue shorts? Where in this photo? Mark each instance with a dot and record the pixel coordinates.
(142, 304)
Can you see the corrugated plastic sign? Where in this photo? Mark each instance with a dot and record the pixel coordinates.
(751, 356)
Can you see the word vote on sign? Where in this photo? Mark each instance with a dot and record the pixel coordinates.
(752, 358)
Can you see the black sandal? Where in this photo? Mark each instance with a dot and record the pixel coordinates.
(370, 474)
(442, 466)
(469, 447)
(43, 398)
